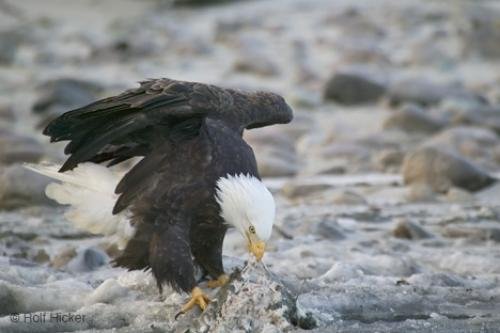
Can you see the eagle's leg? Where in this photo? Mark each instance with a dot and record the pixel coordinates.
(207, 251)
(171, 262)
(219, 282)
(199, 298)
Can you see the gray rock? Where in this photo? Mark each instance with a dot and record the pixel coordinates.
(252, 57)
(306, 100)
(353, 88)
(346, 197)
(8, 48)
(82, 260)
(94, 258)
(423, 92)
(435, 323)
(15, 148)
(276, 163)
(20, 187)
(302, 124)
(362, 51)
(329, 229)
(274, 150)
(463, 134)
(489, 195)
(41, 256)
(437, 279)
(304, 72)
(355, 23)
(60, 95)
(295, 190)
(481, 30)
(348, 150)
(458, 195)
(199, 2)
(473, 232)
(8, 301)
(62, 258)
(409, 230)
(413, 119)
(431, 49)
(329, 167)
(226, 28)
(108, 292)
(354, 302)
(441, 170)
(147, 41)
(475, 143)
(390, 139)
(254, 299)
(6, 113)
(255, 63)
(54, 51)
(481, 116)
(11, 39)
(389, 160)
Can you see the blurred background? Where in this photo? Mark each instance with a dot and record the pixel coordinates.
(386, 177)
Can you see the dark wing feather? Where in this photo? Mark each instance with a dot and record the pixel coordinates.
(259, 109)
(99, 138)
(113, 128)
(138, 177)
(140, 121)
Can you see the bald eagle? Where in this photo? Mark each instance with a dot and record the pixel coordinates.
(196, 178)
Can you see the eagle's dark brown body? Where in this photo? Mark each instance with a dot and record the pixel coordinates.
(190, 135)
(186, 187)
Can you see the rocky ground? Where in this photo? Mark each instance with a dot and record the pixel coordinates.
(386, 180)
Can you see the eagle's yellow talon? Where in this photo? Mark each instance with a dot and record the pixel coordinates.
(197, 298)
(219, 282)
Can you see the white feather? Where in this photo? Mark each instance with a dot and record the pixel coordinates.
(89, 190)
(245, 201)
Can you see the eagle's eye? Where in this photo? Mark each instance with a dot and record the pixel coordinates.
(252, 229)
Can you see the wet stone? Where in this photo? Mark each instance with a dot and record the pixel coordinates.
(15, 148)
(20, 187)
(409, 230)
(62, 258)
(413, 119)
(441, 170)
(352, 88)
(296, 190)
(424, 93)
(329, 229)
(60, 95)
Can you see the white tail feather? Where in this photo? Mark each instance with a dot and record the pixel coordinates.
(89, 190)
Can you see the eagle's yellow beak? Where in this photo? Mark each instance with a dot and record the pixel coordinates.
(257, 248)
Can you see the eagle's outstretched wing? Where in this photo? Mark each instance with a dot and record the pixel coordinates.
(117, 128)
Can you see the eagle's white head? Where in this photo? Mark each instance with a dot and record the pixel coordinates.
(249, 206)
